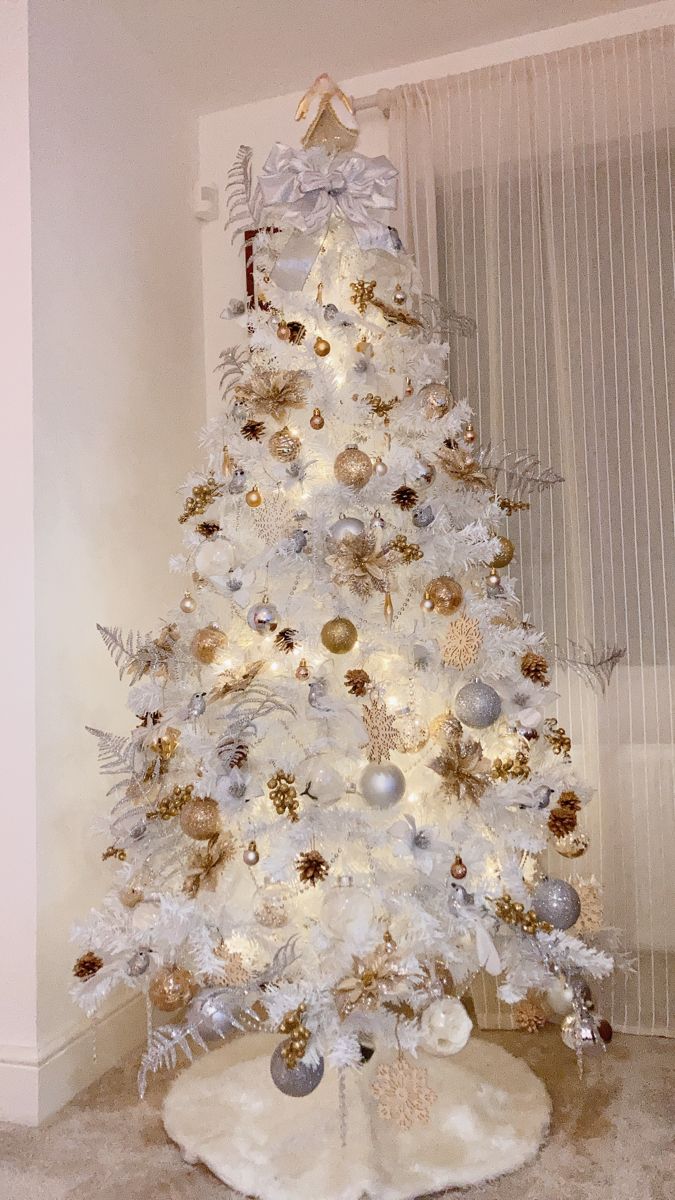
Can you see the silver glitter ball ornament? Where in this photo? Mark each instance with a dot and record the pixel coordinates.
(298, 1081)
(138, 963)
(263, 618)
(346, 526)
(556, 901)
(477, 705)
(423, 516)
(382, 784)
(238, 481)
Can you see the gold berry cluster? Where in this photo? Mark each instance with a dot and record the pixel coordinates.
(409, 551)
(556, 737)
(511, 912)
(298, 1035)
(283, 795)
(170, 805)
(202, 495)
(517, 767)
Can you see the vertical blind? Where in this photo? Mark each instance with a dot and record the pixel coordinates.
(537, 197)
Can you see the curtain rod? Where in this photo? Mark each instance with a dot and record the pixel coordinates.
(380, 99)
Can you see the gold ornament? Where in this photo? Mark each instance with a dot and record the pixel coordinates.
(403, 1093)
(556, 737)
(530, 1014)
(273, 393)
(284, 445)
(201, 498)
(311, 867)
(114, 852)
(87, 965)
(302, 670)
(504, 554)
(283, 332)
(165, 746)
(171, 988)
(253, 430)
(380, 726)
(357, 681)
(170, 805)
(373, 979)
(353, 468)
(209, 645)
(363, 291)
(200, 818)
(283, 795)
(462, 643)
(321, 347)
(298, 1035)
(381, 408)
(462, 767)
(388, 609)
(405, 497)
(517, 767)
(512, 912)
(535, 667)
(285, 640)
(253, 497)
(458, 868)
(437, 400)
(573, 845)
(205, 863)
(339, 635)
(592, 918)
(316, 420)
(232, 970)
(462, 468)
(446, 594)
(414, 733)
(251, 855)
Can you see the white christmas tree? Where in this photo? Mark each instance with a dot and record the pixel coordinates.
(332, 814)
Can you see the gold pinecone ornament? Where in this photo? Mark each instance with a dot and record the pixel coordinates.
(311, 867)
(87, 965)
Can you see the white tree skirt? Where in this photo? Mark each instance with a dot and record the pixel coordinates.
(491, 1116)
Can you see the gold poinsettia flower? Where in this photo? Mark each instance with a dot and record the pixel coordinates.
(462, 768)
(273, 393)
(373, 980)
(359, 563)
(461, 467)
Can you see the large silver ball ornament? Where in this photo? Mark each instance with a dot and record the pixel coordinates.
(298, 1081)
(263, 618)
(382, 784)
(556, 901)
(346, 526)
(477, 705)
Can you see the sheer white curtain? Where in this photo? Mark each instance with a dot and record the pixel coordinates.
(537, 197)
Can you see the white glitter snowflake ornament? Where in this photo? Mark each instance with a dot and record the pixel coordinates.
(403, 1093)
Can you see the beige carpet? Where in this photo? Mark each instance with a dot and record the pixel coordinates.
(613, 1136)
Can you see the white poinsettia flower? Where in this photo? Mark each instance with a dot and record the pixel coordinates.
(234, 789)
(524, 702)
(420, 845)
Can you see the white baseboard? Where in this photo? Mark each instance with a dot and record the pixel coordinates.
(33, 1086)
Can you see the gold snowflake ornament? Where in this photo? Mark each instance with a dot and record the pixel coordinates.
(383, 736)
(403, 1094)
(462, 643)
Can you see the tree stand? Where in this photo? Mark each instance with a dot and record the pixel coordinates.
(491, 1116)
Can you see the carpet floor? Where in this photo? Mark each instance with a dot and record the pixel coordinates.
(612, 1136)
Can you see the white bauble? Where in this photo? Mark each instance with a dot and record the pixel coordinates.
(382, 784)
(213, 560)
(559, 996)
(347, 912)
(346, 526)
(445, 1027)
(318, 776)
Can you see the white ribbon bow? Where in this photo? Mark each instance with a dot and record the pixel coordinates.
(310, 185)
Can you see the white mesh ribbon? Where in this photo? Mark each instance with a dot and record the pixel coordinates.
(305, 188)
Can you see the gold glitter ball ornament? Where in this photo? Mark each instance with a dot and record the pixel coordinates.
(171, 988)
(321, 347)
(437, 400)
(339, 635)
(353, 468)
(200, 818)
(446, 594)
(209, 645)
(284, 445)
(504, 555)
(253, 497)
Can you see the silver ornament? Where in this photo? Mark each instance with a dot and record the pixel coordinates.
(197, 706)
(422, 471)
(138, 963)
(382, 784)
(234, 582)
(299, 540)
(579, 1032)
(330, 311)
(346, 526)
(317, 693)
(556, 901)
(263, 617)
(235, 308)
(209, 1014)
(423, 516)
(477, 705)
(297, 1081)
(238, 481)
(400, 296)
(377, 520)
(458, 895)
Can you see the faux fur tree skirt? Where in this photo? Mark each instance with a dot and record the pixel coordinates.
(490, 1117)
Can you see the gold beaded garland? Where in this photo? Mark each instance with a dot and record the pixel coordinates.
(446, 594)
(353, 468)
(339, 635)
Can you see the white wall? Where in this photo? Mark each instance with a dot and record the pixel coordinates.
(117, 401)
(261, 124)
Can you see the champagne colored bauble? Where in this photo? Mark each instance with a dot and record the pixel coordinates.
(380, 467)
(414, 732)
(426, 603)
(139, 962)
(209, 645)
(214, 559)
(353, 468)
(346, 527)
(188, 604)
(284, 445)
(445, 1026)
(316, 420)
(318, 779)
(283, 332)
(339, 635)
(504, 555)
(446, 594)
(382, 784)
(251, 856)
(253, 498)
(458, 868)
(347, 912)
(321, 347)
(477, 705)
(302, 670)
(572, 845)
(200, 818)
(263, 617)
(556, 901)
(297, 1081)
(171, 988)
(437, 399)
(399, 295)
